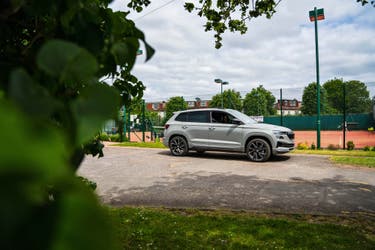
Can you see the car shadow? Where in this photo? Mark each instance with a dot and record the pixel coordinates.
(225, 156)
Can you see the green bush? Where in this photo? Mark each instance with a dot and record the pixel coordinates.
(350, 145)
(313, 147)
(103, 136)
(302, 146)
(372, 148)
(367, 148)
(115, 138)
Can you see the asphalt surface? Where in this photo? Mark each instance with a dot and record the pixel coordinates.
(287, 184)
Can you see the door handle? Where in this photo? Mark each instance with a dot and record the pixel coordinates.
(211, 128)
(184, 127)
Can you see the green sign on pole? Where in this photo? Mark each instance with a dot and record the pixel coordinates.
(319, 15)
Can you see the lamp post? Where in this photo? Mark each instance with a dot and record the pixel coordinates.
(315, 15)
(221, 82)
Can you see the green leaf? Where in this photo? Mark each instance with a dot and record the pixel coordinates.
(125, 52)
(149, 50)
(82, 223)
(32, 98)
(96, 104)
(66, 61)
(189, 7)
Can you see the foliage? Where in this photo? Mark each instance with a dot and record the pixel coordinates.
(147, 228)
(357, 98)
(103, 136)
(174, 104)
(259, 102)
(309, 102)
(302, 146)
(44, 206)
(231, 99)
(312, 147)
(154, 118)
(350, 145)
(54, 56)
(92, 185)
(115, 138)
(366, 148)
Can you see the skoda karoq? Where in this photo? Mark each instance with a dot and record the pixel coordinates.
(225, 130)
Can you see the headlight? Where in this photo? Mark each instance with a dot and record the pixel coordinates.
(279, 134)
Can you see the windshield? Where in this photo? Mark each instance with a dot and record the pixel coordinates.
(241, 116)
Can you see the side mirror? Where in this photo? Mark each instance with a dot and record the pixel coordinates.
(236, 121)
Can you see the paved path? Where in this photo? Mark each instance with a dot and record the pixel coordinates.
(290, 183)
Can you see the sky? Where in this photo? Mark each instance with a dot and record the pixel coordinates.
(276, 53)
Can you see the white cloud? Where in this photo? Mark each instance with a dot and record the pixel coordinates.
(277, 53)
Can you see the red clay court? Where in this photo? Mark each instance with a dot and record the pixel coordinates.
(359, 138)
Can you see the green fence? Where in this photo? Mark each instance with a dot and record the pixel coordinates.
(328, 122)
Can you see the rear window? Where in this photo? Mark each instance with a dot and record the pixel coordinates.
(181, 117)
(199, 116)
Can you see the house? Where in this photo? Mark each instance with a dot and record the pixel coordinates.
(160, 107)
(289, 107)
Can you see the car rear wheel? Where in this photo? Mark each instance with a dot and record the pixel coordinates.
(258, 150)
(178, 146)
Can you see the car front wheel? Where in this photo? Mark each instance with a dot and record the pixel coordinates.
(178, 146)
(258, 150)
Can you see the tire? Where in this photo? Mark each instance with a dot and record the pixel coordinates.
(178, 146)
(258, 150)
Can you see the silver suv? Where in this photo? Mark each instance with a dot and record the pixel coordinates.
(225, 130)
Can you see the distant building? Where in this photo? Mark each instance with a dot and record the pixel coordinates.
(289, 107)
(198, 103)
(160, 107)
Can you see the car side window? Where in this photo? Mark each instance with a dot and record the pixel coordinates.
(181, 117)
(199, 116)
(222, 117)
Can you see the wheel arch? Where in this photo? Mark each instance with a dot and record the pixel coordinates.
(264, 137)
(178, 134)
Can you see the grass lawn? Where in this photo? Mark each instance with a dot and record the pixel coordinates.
(336, 152)
(358, 161)
(151, 228)
(348, 157)
(142, 144)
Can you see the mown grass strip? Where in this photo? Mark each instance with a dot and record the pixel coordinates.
(141, 144)
(146, 228)
(336, 152)
(350, 160)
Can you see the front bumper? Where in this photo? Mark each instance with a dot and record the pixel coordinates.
(283, 147)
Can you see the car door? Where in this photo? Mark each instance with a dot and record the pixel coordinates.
(223, 132)
(197, 127)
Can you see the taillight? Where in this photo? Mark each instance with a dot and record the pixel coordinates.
(166, 126)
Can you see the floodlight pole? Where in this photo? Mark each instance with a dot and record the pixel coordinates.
(314, 17)
(221, 82)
